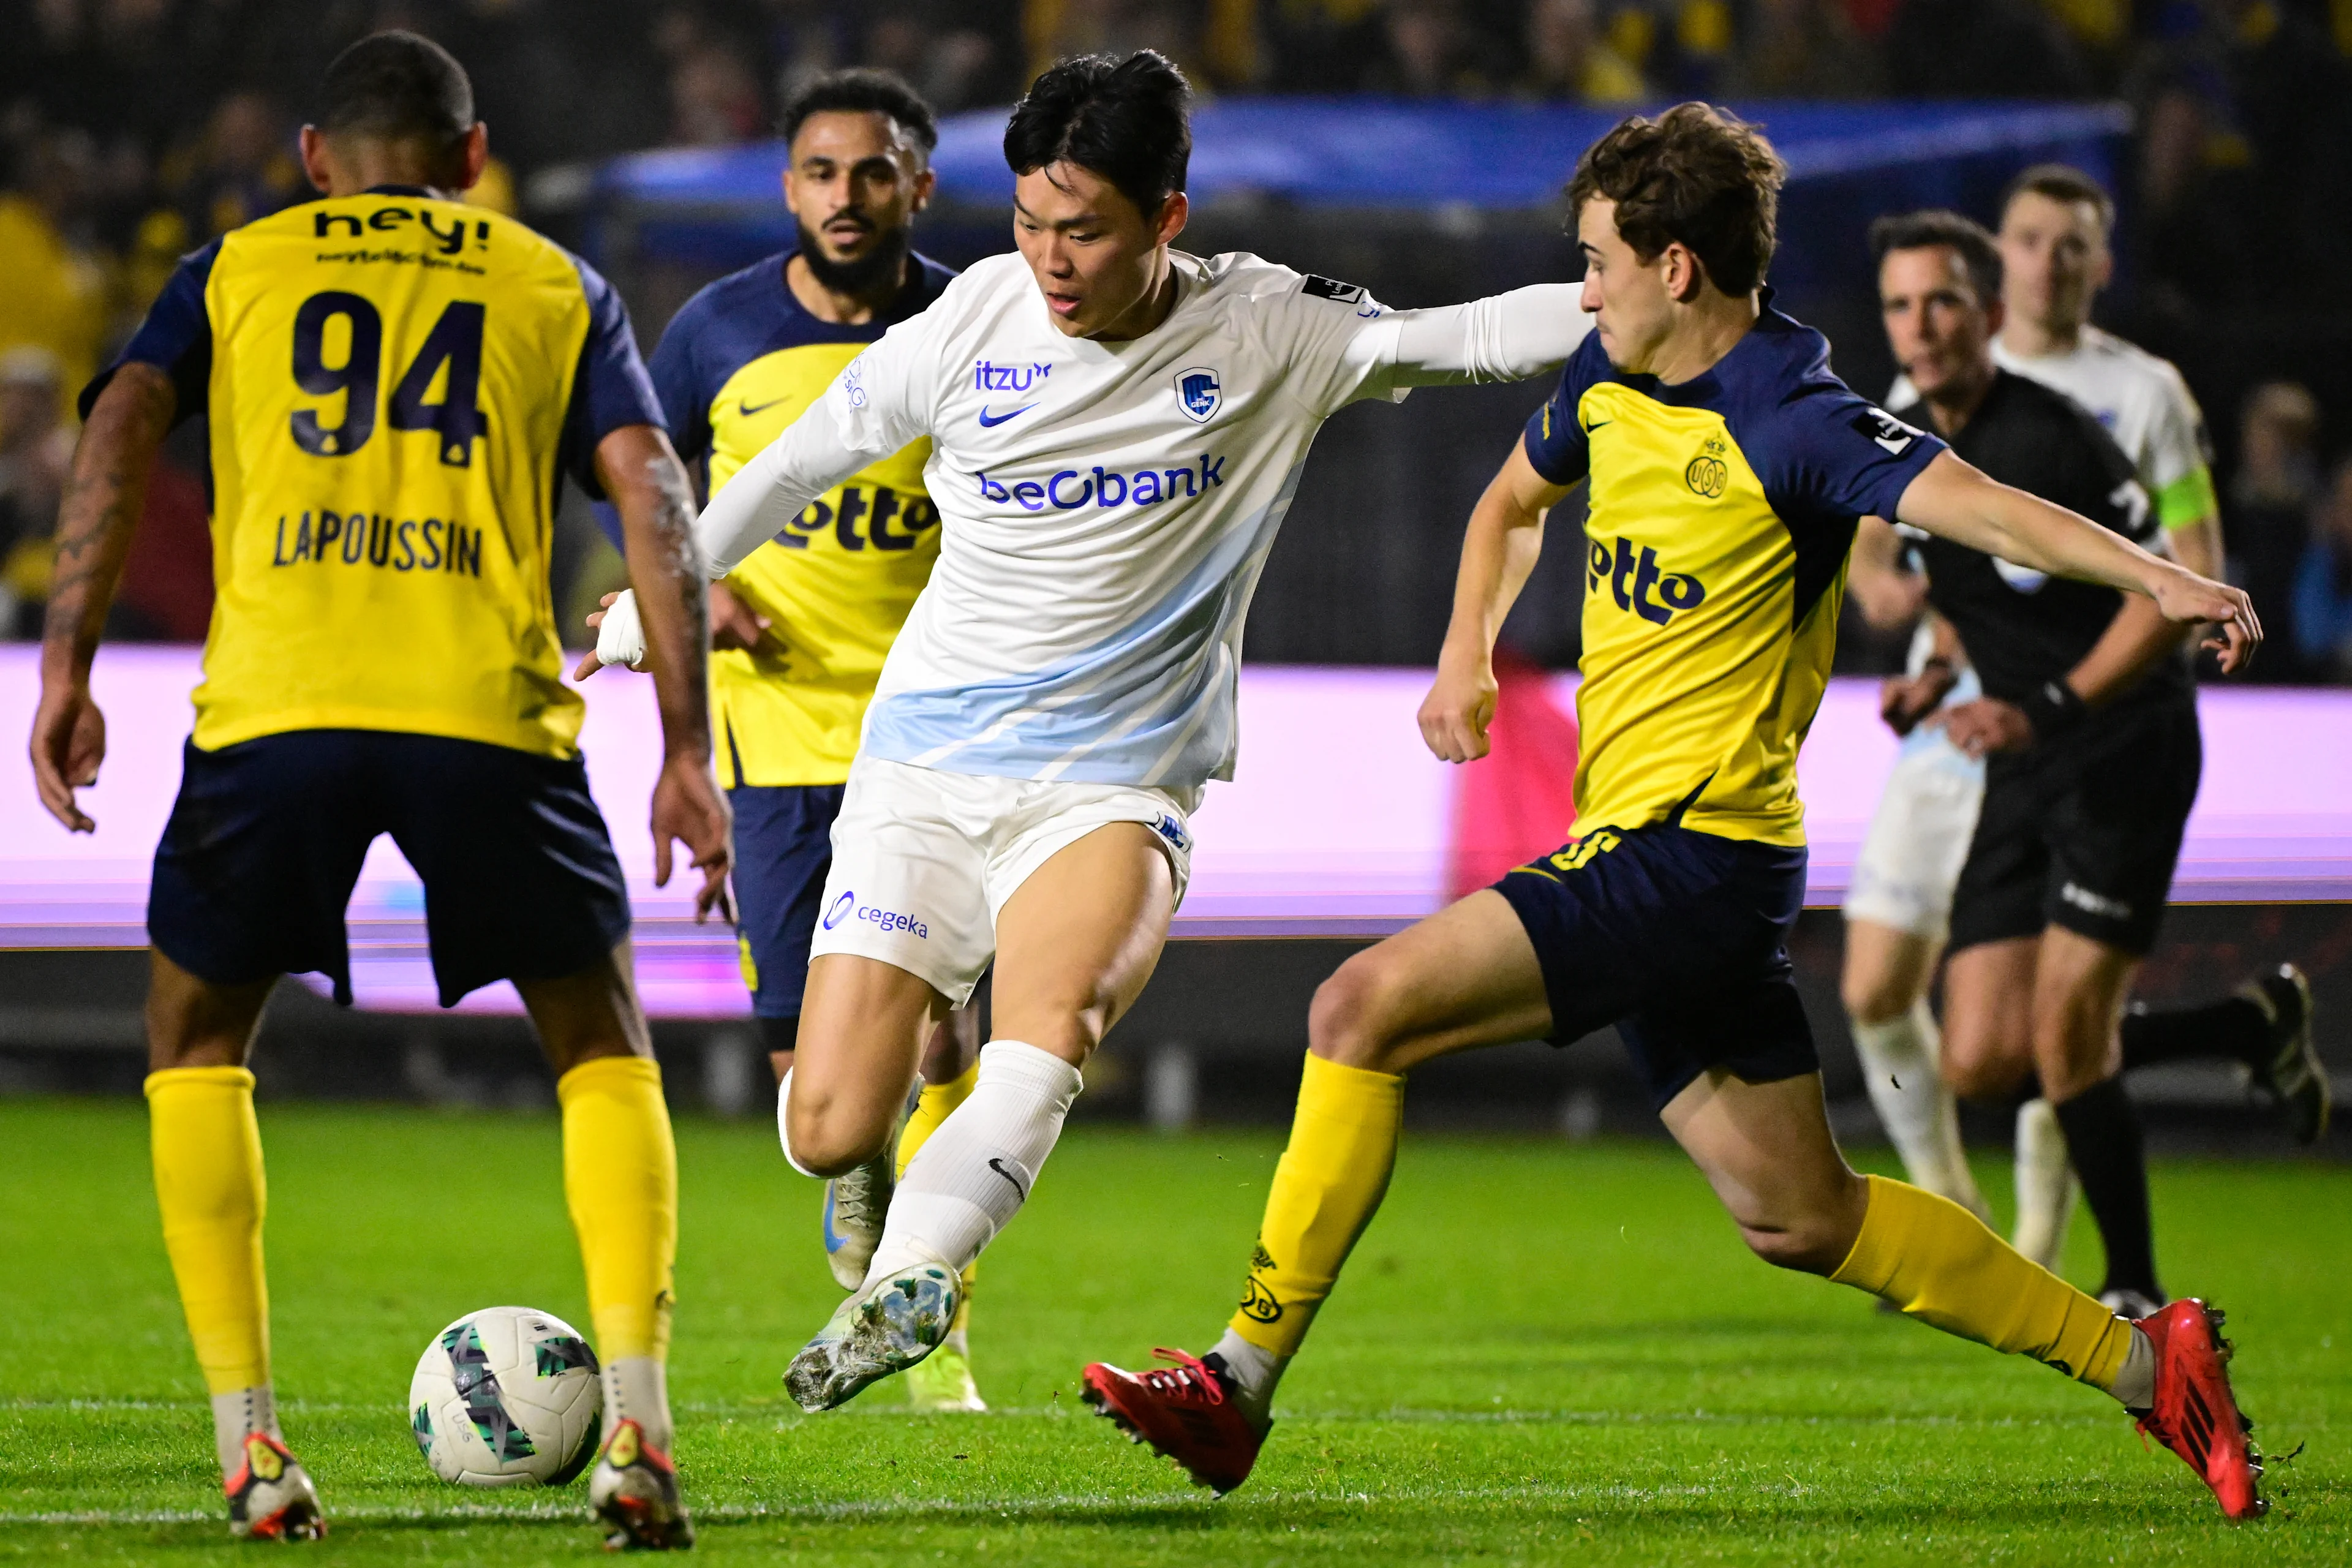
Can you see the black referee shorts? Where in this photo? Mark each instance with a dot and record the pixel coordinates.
(267, 839)
(2084, 833)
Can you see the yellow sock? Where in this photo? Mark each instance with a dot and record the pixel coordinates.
(935, 1105)
(1938, 1263)
(1332, 1177)
(937, 1102)
(209, 1184)
(620, 1175)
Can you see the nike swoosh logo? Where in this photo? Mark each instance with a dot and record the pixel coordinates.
(1597, 424)
(988, 420)
(748, 409)
(998, 1165)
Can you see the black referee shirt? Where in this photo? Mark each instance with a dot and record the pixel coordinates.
(2021, 628)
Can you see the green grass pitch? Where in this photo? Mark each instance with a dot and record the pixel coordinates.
(1542, 1353)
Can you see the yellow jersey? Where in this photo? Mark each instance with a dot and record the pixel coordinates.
(735, 367)
(395, 384)
(1720, 516)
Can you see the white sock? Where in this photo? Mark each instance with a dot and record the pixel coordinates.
(2136, 1384)
(637, 1388)
(2046, 1187)
(1899, 1062)
(238, 1415)
(974, 1173)
(784, 1136)
(1255, 1371)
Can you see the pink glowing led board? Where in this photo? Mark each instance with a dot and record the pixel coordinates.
(1336, 823)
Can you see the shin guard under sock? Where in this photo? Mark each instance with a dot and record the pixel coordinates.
(2102, 1135)
(1327, 1185)
(1938, 1263)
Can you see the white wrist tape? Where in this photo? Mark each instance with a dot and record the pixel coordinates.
(621, 638)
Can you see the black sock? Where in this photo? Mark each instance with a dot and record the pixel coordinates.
(2235, 1029)
(2103, 1138)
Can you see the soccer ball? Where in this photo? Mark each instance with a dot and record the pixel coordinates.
(507, 1397)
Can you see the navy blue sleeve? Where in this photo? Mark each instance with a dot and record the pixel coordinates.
(611, 388)
(176, 338)
(1557, 446)
(677, 381)
(686, 407)
(1830, 450)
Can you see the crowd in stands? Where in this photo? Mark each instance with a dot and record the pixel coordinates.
(132, 131)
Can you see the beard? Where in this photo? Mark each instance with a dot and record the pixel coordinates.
(877, 269)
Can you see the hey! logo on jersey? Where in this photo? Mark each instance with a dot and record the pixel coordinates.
(1634, 577)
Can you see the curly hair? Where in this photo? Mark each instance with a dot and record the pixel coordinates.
(1696, 175)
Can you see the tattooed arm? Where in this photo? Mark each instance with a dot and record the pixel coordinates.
(95, 522)
(649, 486)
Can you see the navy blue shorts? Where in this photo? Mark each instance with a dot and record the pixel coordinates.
(1680, 939)
(267, 836)
(783, 850)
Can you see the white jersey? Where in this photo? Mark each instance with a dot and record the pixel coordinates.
(1107, 507)
(2145, 406)
(2140, 400)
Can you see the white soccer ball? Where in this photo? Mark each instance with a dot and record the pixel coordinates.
(507, 1396)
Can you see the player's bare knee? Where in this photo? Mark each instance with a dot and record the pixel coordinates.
(1348, 1020)
(829, 1141)
(1875, 998)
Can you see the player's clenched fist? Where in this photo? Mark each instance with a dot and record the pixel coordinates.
(1458, 709)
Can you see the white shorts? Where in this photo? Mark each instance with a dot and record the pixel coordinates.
(923, 859)
(1918, 840)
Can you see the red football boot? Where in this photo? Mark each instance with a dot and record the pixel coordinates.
(1185, 1412)
(2195, 1415)
(270, 1497)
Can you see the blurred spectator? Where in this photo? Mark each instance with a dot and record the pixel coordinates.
(53, 285)
(957, 53)
(714, 95)
(1212, 41)
(35, 454)
(1569, 58)
(240, 169)
(1436, 49)
(1701, 48)
(2270, 498)
(2323, 584)
(1981, 49)
(1802, 48)
(1322, 46)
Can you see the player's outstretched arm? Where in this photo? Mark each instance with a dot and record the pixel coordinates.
(1498, 551)
(874, 408)
(647, 482)
(101, 509)
(1503, 337)
(1961, 504)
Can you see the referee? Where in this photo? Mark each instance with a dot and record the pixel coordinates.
(2088, 722)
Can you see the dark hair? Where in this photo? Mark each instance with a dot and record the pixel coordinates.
(1124, 120)
(2062, 182)
(1696, 175)
(399, 85)
(1964, 237)
(862, 90)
